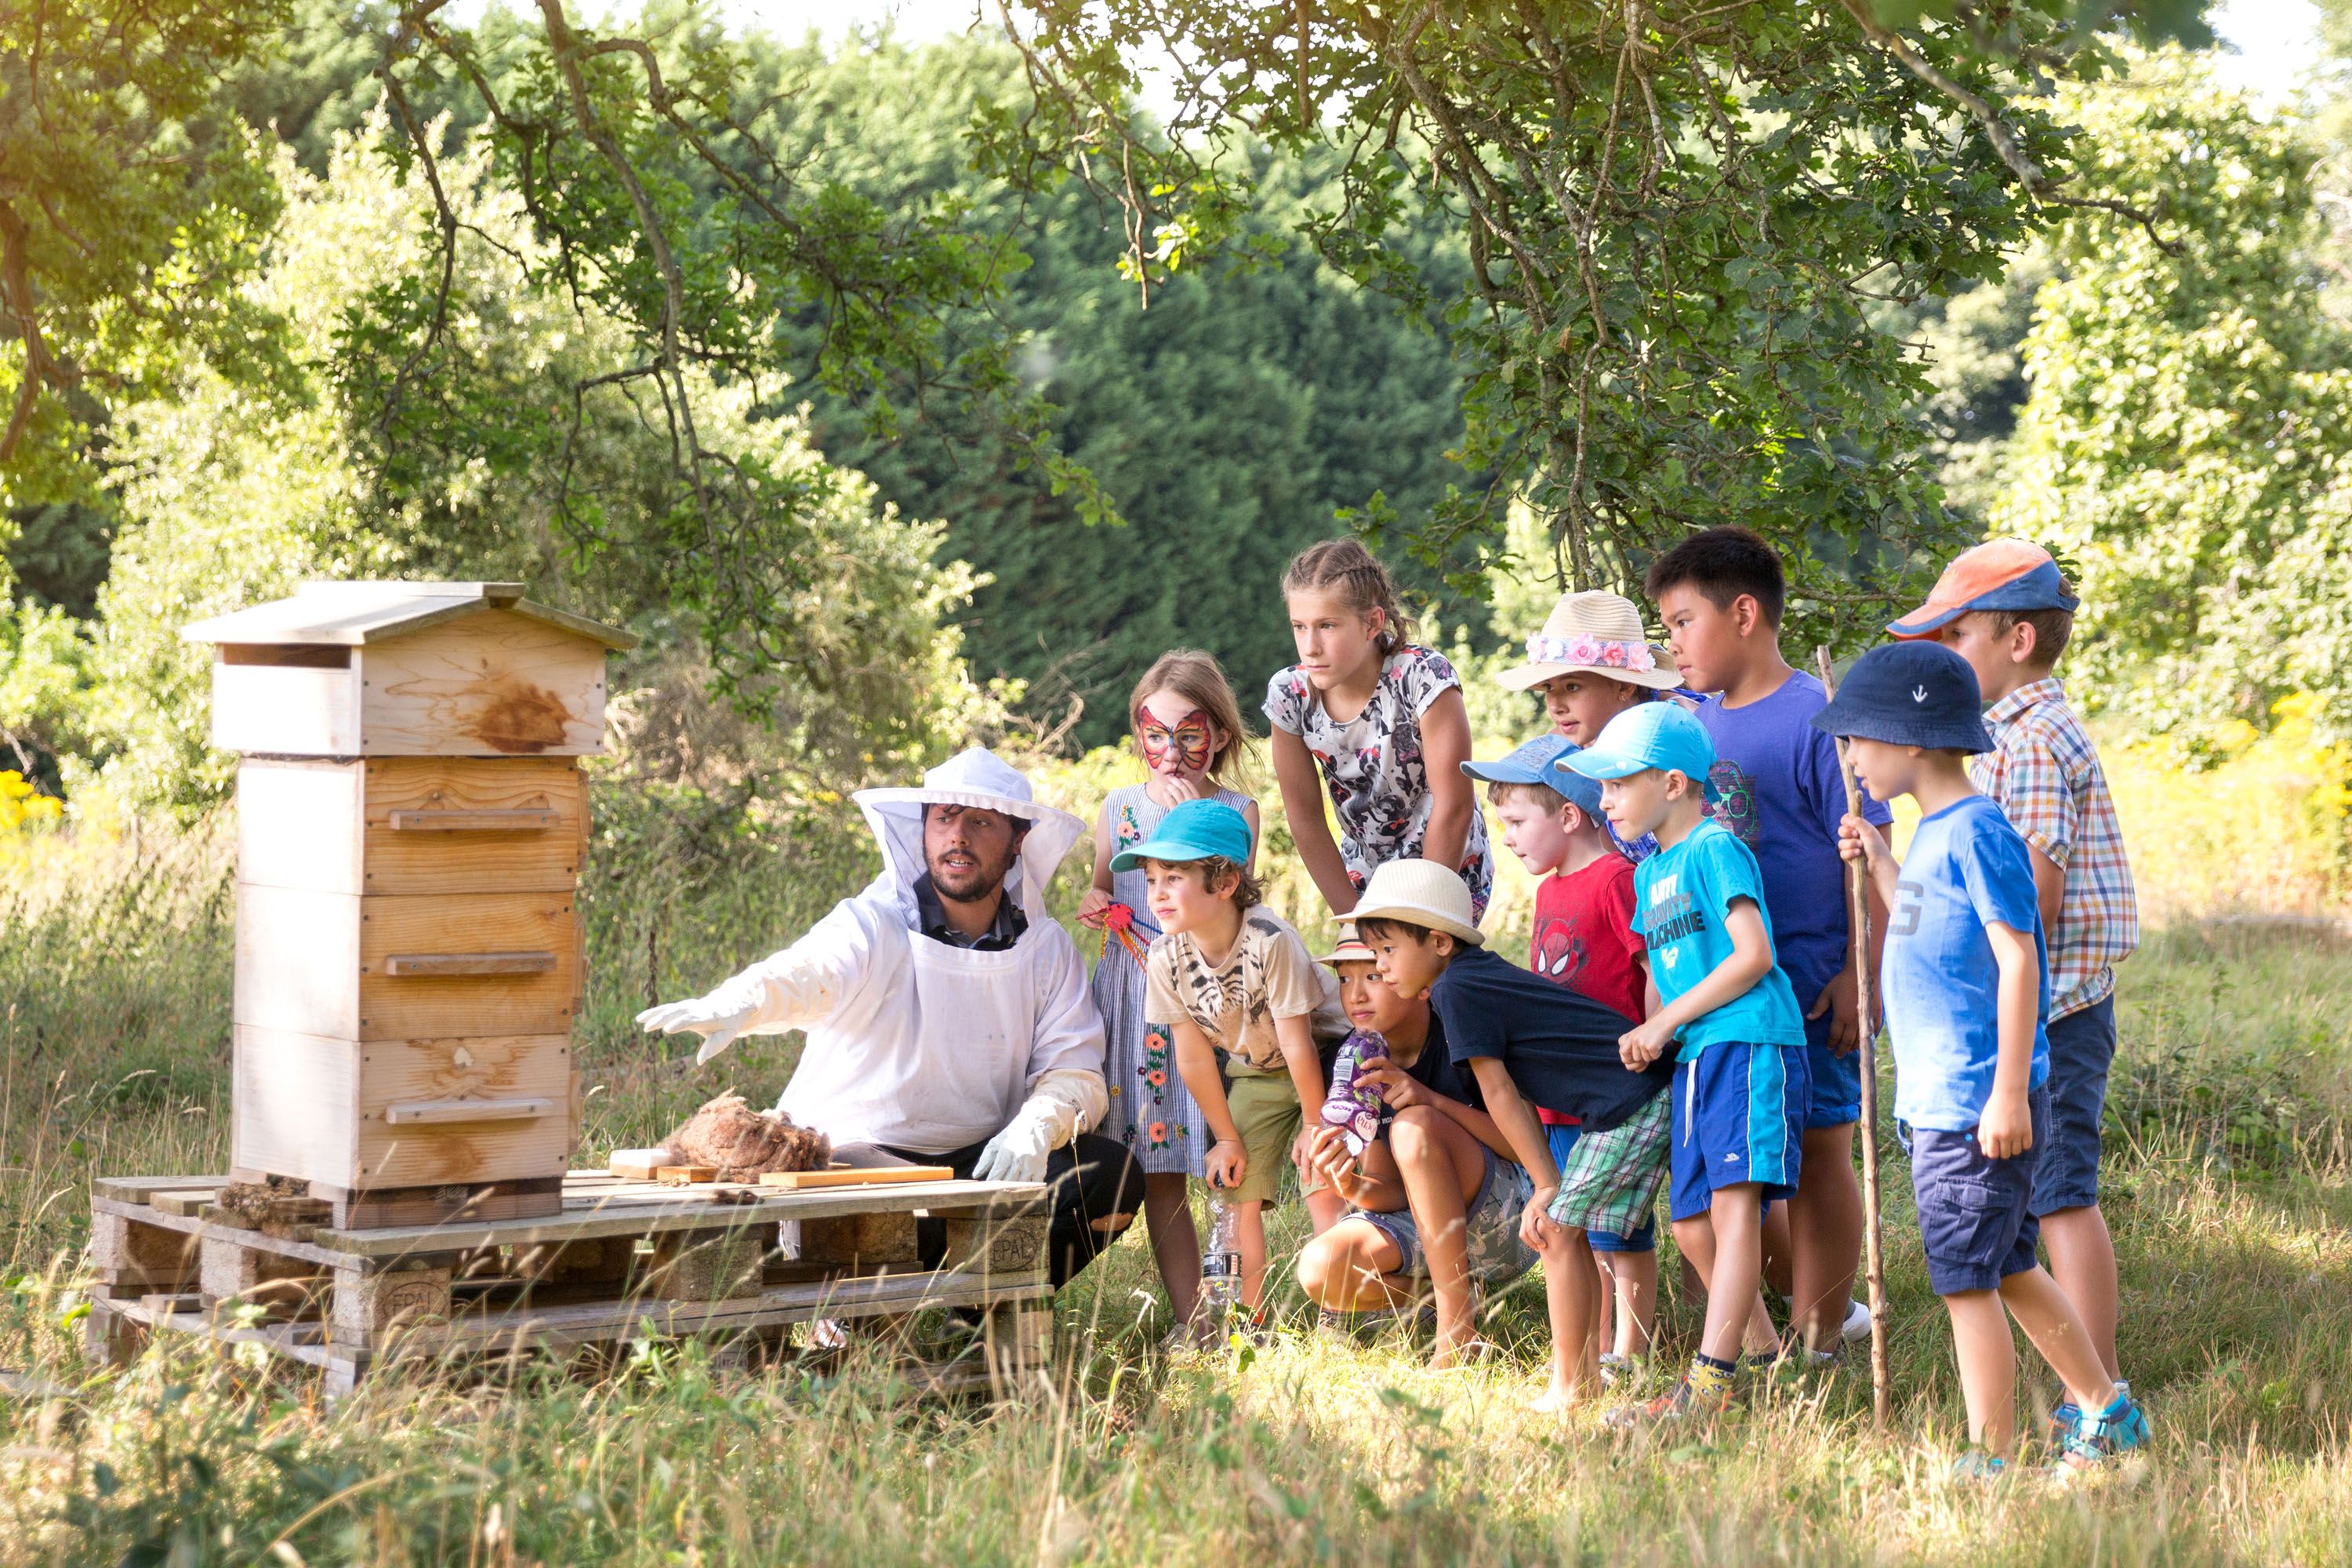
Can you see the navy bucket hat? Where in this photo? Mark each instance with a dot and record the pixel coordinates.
(1909, 694)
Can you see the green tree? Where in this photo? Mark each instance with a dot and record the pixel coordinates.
(130, 208)
(1676, 217)
(230, 501)
(2185, 443)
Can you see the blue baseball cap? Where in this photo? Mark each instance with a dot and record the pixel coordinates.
(1585, 793)
(1999, 574)
(1909, 694)
(1653, 735)
(1531, 763)
(1192, 830)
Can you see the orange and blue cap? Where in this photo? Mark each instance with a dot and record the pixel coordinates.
(1999, 574)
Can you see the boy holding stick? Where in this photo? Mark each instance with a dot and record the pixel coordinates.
(1967, 994)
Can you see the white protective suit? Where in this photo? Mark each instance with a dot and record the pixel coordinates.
(915, 1043)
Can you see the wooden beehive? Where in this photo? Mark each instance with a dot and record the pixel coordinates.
(411, 820)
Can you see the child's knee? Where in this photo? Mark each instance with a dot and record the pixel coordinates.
(1414, 1137)
(1322, 1269)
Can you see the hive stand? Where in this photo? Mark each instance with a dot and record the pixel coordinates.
(623, 1261)
(411, 826)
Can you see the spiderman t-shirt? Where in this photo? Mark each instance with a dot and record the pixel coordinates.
(1584, 940)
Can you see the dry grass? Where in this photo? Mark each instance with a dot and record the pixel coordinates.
(2230, 1193)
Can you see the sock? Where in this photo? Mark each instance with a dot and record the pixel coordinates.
(1709, 1378)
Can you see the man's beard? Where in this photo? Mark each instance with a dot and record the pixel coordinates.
(968, 884)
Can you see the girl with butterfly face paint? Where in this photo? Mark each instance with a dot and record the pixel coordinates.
(1188, 732)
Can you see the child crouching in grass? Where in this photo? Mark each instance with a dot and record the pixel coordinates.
(1529, 1043)
(1968, 995)
(1228, 976)
(1437, 1196)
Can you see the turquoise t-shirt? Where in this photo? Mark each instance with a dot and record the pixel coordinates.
(1680, 898)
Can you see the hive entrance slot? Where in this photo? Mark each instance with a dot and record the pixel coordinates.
(288, 656)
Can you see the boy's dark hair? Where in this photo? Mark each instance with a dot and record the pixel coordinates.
(1376, 927)
(1247, 890)
(2051, 630)
(1723, 563)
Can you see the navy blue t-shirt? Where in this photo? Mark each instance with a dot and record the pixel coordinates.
(1783, 797)
(1559, 1048)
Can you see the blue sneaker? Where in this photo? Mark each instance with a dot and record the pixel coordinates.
(1976, 1464)
(2069, 1415)
(2097, 1438)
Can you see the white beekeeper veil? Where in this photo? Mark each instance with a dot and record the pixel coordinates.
(981, 779)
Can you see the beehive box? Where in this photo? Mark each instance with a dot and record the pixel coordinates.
(411, 821)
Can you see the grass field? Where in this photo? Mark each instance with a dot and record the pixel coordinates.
(2229, 1190)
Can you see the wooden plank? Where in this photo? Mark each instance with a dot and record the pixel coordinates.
(297, 824)
(137, 1189)
(685, 1175)
(491, 684)
(683, 1209)
(195, 1230)
(861, 1176)
(313, 964)
(285, 710)
(452, 821)
(406, 966)
(376, 1208)
(446, 790)
(294, 1104)
(182, 1204)
(433, 1112)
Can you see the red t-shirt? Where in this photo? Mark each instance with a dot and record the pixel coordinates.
(1584, 940)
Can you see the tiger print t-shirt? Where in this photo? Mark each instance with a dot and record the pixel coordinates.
(1269, 974)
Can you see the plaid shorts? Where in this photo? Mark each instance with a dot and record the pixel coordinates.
(1612, 1179)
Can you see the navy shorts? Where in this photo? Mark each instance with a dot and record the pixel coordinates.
(1563, 1141)
(1835, 1097)
(1974, 1221)
(1739, 1116)
(2082, 1048)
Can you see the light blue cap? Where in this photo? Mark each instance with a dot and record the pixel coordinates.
(1531, 763)
(1653, 735)
(1192, 830)
(1585, 793)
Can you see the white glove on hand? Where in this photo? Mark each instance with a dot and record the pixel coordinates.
(1018, 1153)
(717, 1024)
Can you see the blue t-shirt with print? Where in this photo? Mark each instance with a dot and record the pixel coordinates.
(1680, 898)
(1783, 796)
(1967, 869)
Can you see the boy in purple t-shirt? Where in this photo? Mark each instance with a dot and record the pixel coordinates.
(1720, 593)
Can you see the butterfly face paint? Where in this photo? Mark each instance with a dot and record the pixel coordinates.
(1183, 746)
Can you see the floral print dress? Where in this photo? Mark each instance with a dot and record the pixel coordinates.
(1149, 1111)
(1374, 767)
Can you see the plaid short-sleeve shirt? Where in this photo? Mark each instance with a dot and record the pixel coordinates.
(2044, 774)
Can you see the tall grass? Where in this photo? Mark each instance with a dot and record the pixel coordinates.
(2230, 1189)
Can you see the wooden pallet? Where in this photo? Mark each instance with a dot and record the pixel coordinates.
(623, 1259)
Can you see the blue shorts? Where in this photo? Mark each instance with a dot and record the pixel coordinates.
(2082, 1048)
(1975, 1222)
(1563, 1140)
(1836, 1100)
(1739, 1116)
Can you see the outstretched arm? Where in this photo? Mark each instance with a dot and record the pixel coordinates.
(788, 990)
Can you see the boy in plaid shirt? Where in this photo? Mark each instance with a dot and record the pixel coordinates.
(2004, 608)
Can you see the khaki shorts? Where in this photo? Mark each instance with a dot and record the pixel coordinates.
(1265, 1108)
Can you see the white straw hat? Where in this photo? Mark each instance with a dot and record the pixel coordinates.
(1597, 631)
(1422, 893)
(1349, 948)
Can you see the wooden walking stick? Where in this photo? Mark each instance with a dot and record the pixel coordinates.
(1858, 899)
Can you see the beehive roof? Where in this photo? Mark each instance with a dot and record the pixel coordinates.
(352, 614)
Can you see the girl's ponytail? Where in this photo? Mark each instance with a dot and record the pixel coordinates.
(1343, 566)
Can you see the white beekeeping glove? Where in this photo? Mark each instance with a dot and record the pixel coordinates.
(718, 1018)
(1057, 1107)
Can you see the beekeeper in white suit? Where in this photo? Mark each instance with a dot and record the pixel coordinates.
(948, 1016)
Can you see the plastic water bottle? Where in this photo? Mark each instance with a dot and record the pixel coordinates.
(1353, 1107)
(1221, 1265)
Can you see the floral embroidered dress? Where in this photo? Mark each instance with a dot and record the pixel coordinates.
(1374, 767)
(1149, 1111)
